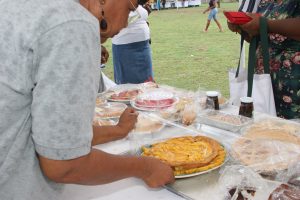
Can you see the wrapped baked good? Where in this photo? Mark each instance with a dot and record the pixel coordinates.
(110, 110)
(238, 182)
(285, 192)
(291, 175)
(154, 99)
(269, 147)
(224, 121)
(146, 124)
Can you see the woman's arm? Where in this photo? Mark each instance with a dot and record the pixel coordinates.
(286, 27)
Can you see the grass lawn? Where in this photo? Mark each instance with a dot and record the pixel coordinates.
(186, 57)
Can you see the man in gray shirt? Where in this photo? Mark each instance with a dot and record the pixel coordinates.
(49, 76)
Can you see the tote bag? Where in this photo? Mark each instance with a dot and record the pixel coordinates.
(244, 82)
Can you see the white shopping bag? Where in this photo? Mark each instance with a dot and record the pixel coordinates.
(260, 89)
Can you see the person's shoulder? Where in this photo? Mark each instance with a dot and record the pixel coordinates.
(61, 11)
(48, 14)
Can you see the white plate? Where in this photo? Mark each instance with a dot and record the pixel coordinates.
(151, 109)
(203, 172)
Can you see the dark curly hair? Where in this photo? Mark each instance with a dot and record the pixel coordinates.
(142, 2)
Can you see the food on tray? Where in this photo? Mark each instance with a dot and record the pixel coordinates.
(149, 85)
(189, 115)
(268, 150)
(227, 118)
(222, 100)
(182, 102)
(188, 154)
(100, 100)
(285, 192)
(154, 103)
(154, 98)
(125, 95)
(110, 110)
(184, 111)
(244, 193)
(146, 124)
(102, 122)
(275, 130)
(224, 121)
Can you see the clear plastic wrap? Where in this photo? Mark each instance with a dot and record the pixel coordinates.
(100, 100)
(268, 146)
(146, 124)
(154, 99)
(291, 175)
(126, 92)
(224, 121)
(285, 192)
(103, 122)
(184, 111)
(110, 110)
(238, 182)
(123, 93)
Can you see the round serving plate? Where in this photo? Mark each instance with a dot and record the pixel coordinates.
(201, 172)
(152, 108)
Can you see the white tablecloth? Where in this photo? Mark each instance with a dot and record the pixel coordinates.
(132, 188)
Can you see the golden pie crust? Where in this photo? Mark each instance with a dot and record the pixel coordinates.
(188, 154)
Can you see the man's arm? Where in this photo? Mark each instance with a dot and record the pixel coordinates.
(103, 134)
(99, 168)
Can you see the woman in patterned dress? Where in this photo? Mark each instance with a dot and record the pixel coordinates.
(284, 48)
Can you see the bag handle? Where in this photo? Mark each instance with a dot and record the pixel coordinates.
(263, 30)
(241, 51)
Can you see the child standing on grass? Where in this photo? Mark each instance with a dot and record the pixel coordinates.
(212, 15)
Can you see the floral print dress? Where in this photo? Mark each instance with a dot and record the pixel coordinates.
(284, 59)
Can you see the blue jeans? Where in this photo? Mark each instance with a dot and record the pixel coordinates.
(213, 14)
(132, 62)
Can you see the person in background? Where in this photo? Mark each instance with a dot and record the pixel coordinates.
(49, 80)
(212, 15)
(131, 50)
(104, 55)
(284, 44)
(163, 2)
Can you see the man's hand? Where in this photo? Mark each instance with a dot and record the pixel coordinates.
(127, 121)
(157, 173)
(104, 55)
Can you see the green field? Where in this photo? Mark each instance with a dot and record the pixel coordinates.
(186, 57)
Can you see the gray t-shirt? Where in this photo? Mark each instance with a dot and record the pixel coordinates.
(49, 76)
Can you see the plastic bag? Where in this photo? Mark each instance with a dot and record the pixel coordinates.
(240, 182)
